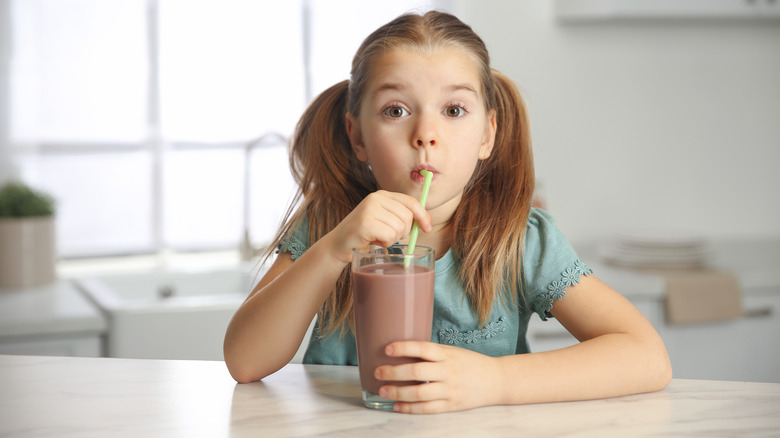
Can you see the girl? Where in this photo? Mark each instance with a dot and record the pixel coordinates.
(422, 95)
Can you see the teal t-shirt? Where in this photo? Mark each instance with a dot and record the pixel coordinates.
(550, 265)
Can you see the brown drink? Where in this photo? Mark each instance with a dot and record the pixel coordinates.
(393, 302)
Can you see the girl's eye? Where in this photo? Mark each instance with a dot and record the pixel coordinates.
(455, 111)
(395, 112)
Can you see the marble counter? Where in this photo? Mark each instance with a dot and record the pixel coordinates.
(99, 397)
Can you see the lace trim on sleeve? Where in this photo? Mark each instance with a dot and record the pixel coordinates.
(293, 246)
(557, 289)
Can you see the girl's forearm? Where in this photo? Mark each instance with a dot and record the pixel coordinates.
(606, 366)
(267, 329)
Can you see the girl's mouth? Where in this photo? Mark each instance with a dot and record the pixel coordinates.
(418, 177)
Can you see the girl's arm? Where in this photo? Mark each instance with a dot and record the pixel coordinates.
(268, 327)
(619, 353)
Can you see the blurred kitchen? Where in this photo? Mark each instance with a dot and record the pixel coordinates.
(159, 128)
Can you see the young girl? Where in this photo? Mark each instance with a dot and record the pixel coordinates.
(422, 95)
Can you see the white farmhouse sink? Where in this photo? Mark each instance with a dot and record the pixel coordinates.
(169, 314)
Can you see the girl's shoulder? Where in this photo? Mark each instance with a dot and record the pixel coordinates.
(541, 229)
(543, 238)
(537, 217)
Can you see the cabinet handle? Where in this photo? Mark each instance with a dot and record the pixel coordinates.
(758, 312)
(549, 336)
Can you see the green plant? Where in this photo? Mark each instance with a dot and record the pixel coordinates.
(19, 200)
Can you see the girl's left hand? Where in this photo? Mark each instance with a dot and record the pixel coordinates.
(457, 378)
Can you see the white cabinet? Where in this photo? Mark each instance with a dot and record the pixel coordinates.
(84, 345)
(742, 349)
(50, 320)
(608, 10)
(745, 349)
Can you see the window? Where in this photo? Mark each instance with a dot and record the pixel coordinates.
(140, 116)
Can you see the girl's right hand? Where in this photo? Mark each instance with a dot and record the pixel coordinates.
(382, 218)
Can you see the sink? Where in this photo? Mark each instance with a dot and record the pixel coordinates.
(169, 314)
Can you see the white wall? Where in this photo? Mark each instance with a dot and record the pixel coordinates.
(651, 124)
(7, 170)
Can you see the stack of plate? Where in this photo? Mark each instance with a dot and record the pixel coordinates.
(656, 249)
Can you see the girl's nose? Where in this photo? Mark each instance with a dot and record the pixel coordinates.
(425, 134)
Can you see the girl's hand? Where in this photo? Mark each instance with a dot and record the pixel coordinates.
(457, 378)
(382, 218)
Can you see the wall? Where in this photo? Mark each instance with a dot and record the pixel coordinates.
(649, 124)
(7, 170)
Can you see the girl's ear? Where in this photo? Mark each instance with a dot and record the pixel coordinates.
(489, 138)
(356, 138)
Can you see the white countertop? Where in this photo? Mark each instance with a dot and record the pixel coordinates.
(56, 308)
(99, 397)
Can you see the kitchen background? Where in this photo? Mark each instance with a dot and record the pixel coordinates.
(159, 125)
(640, 123)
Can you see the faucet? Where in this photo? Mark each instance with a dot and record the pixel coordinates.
(247, 250)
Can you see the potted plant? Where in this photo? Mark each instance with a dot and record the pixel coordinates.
(27, 248)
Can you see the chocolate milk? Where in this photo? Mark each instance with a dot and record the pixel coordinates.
(392, 303)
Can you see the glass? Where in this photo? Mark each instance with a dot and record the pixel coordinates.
(393, 301)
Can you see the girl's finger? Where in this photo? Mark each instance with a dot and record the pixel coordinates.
(420, 349)
(395, 216)
(413, 393)
(428, 407)
(419, 213)
(386, 228)
(416, 371)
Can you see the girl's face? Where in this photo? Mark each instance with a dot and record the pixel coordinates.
(423, 111)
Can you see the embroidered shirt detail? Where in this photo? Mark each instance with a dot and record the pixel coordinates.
(557, 289)
(293, 246)
(454, 336)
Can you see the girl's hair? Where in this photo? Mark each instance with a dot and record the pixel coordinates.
(489, 224)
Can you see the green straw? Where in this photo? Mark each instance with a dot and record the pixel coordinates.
(415, 226)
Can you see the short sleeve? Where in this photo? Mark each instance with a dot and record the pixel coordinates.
(550, 264)
(296, 241)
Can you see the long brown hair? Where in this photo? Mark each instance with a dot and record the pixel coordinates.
(489, 224)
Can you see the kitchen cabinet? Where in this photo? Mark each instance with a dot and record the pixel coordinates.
(744, 348)
(50, 320)
(85, 345)
(610, 10)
